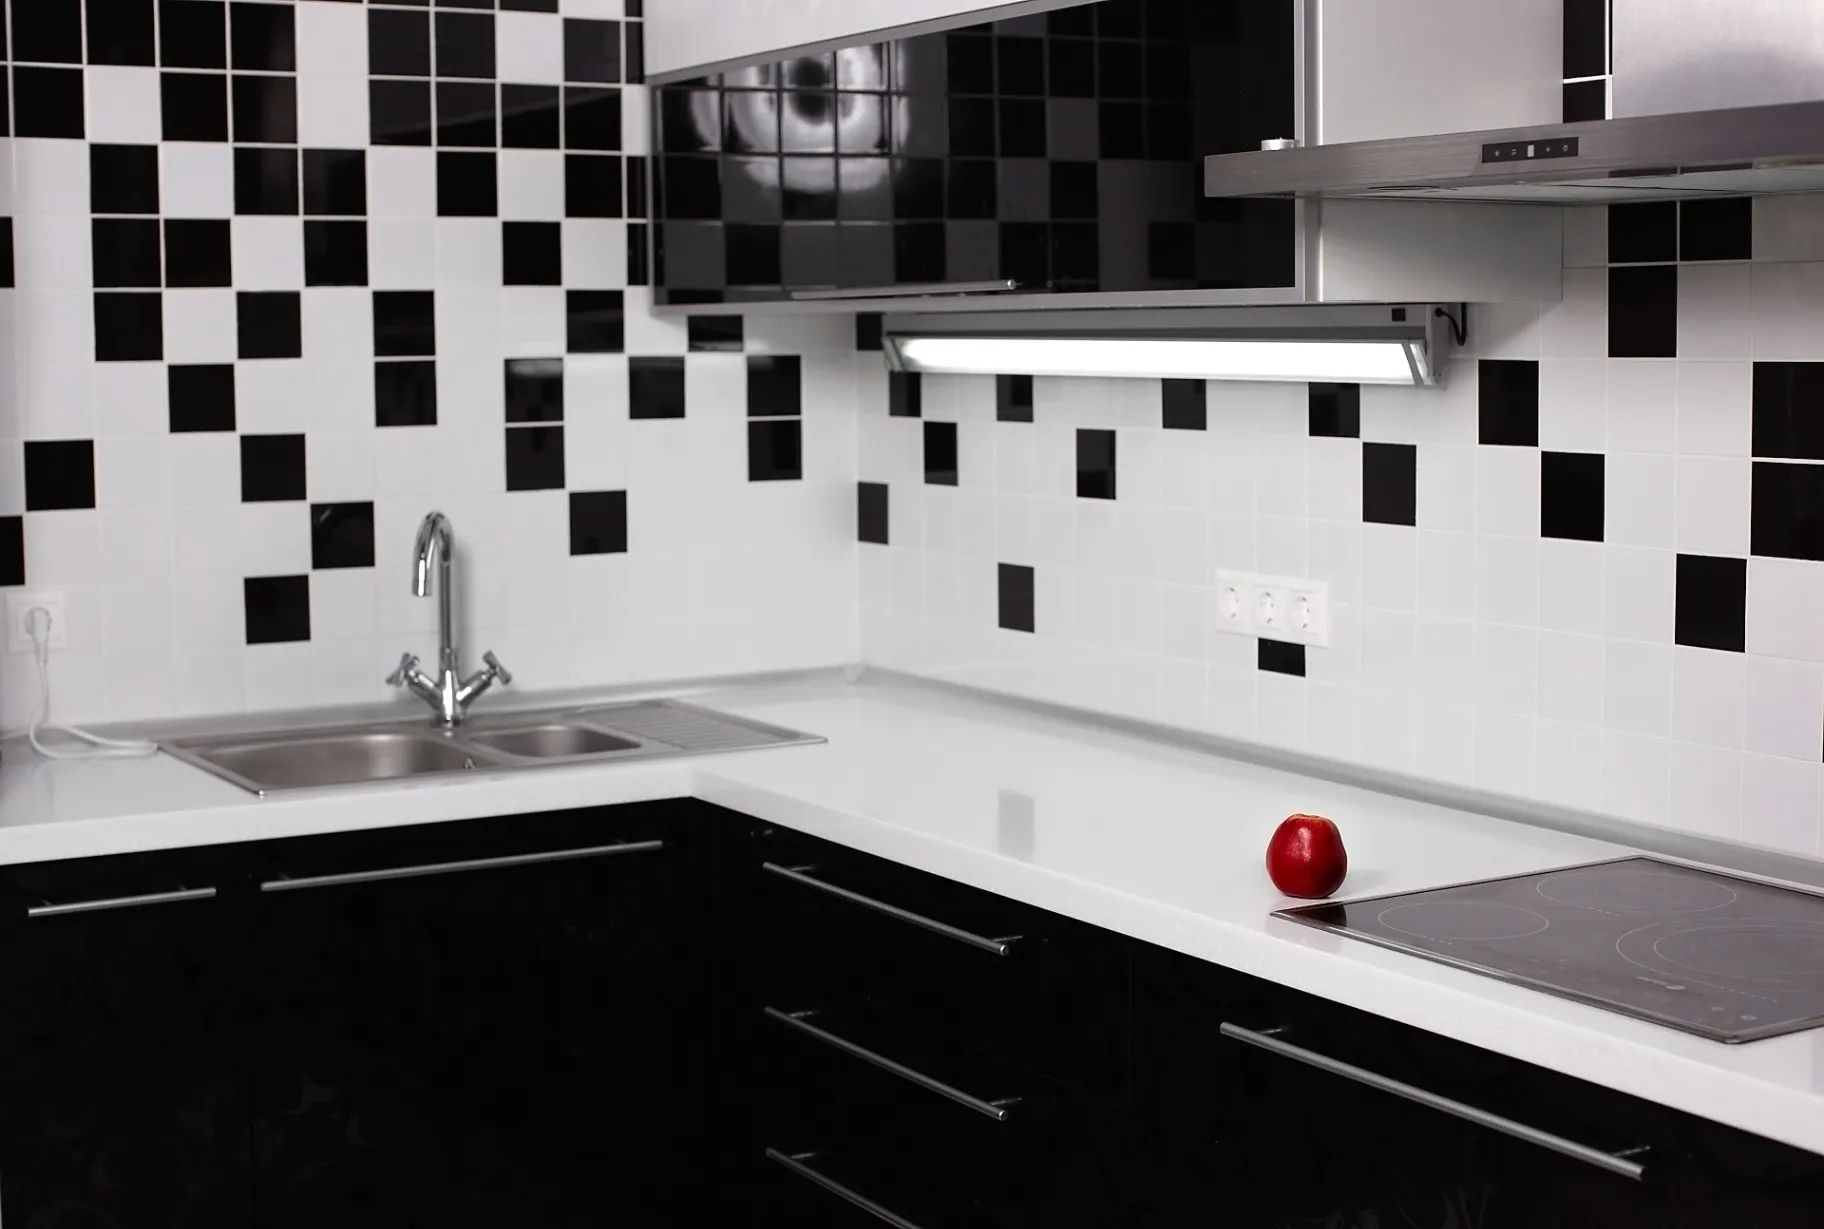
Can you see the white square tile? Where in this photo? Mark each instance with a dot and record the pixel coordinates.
(200, 326)
(1643, 404)
(274, 538)
(332, 110)
(123, 105)
(1782, 596)
(1507, 668)
(338, 322)
(136, 543)
(532, 186)
(1715, 311)
(402, 183)
(1281, 545)
(1789, 311)
(63, 547)
(271, 396)
(1507, 491)
(1389, 653)
(274, 673)
(591, 8)
(1709, 696)
(1389, 567)
(1636, 776)
(340, 465)
(1446, 747)
(1780, 804)
(1637, 687)
(1577, 326)
(595, 389)
(401, 255)
(1507, 580)
(1390, 414)
(1572, 585)
(132, 473)
(341, 392)
(1335, 721)
(1714, 505)
(595, 254)
(1789, 228)
(1715, 408)
(131, 399)
(345, 671)
(1573, 404)
(1446, 574)
(532, 322)
(768, 334)
(1281, 710)
(1639, 499)
(51, 370)
(1282, 485)
(1505, 752)
(206, 469)
(1333, 478)
(1335, 555)
(50, 176)
(331, 38)
(1707, 790)
(529, 48)
(1505, 330)
(636, 121)
(1640, 594)
(137, 616)
(1446, 486)
(12, 477)
(344, 604)
(52, 252)
(1586, 236)
(209, 681)
(468, 253)
(1568, 764)
(1446, 665)
(1785, 708)
(268, 253)
(195, 180)
(205, 541)
(1570, 677)
(1389, 735)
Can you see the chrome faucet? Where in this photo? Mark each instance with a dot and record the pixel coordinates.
(448, 693)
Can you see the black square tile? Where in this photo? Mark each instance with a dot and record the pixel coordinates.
(342, 535)
(592, 186)
(59, 474)
(193, 33)
(124, 252)
(940, 454)
(532, 253)
(1643, 233)
(1571, 497)
(1643, 311)
(47, 102)
(1390, 484)
(752, 255)
(1022, 127)
(1095, 464)
(277, 609)
(529, 6)
(633, 59)
(639, 254)
(905, 394)
(871, 512)
(12, 550)
(970, 57)
(265, 181)
(465, 114)
(399, 112)
(775, 450)
(123, 179)
(335, 183)
(8, 272)
(335, 253)
(129, 327)
(467, 186)
(530, 117)
(1586, 38)
(1015, 598)
(270, 323)
(1585, 100)
(690, 188)
(970, 189)
(534, 390)
(1789, 410)
(1712, 611)
(198, 252)
(592, 51)
(1716, 229)
(868, 331)
(596, 321)
(535, 458)
(405, 323)
(201, 397)
(398, 44)
(272, 468)
(592, 118)
(1278, 657)
(262, 38)
(465, 45)
(122, 32)
(1186, 404)
(716, 334)
(1507, 402)
(265, 110)
(775, 385)
(1787, 520)
(194, 105)
(598, 522)
(47, 32)
(655, 387)
(1013, 398)
(1073, 68)
(405, 393)
(1335, 410)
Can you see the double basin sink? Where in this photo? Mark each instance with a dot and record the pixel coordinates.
(346, 755)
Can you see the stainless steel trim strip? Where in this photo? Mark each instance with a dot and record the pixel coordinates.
(1615, 1164)
(996, 1110)
(450, 868)
(120, 902)
(912, 289)
(1000, 947)
(796, 1165)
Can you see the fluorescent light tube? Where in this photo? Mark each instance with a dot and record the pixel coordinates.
(1341, 362)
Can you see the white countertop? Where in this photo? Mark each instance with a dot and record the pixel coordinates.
(1154, 842)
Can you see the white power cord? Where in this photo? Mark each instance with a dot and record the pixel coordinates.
(97, 747)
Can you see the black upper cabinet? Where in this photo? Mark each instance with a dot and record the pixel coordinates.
(1062, 151)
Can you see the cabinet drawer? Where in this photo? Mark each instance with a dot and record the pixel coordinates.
(836, 927)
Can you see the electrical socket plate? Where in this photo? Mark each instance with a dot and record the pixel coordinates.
(1273, 607)
(19, 606)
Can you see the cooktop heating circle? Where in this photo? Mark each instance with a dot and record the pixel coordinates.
(1629, 890)
(1775, 953)
(1463, 919)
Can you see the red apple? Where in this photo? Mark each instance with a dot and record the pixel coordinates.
(1306, 857)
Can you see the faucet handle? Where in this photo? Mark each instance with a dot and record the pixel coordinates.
(500, 671)
(407, 664)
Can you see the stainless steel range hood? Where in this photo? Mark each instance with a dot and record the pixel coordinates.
(1732, 152)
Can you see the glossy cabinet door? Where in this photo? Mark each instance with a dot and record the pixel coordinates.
(495, 1025)
(1061, 151)
(122, 1053)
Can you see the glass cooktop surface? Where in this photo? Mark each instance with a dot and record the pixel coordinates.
(1726, 958)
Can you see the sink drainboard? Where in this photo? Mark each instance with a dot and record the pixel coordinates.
(676, 725)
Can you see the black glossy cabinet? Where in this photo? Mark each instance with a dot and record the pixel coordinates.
(1062, 151)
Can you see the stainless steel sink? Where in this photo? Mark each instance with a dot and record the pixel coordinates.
(272, 761)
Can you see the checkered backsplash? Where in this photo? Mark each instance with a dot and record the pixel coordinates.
(285, 275)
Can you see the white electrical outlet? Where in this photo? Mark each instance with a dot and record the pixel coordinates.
(19, 607)
(1273, 607)
(1235, 603)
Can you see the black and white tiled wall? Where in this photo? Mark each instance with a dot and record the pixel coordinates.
(279, 276)
(1589, 571)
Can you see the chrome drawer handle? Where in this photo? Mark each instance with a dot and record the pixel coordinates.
(797, 1165)
(907, 290)
(996, 1110)
(1614, 1162)
(120, 902)
(451, 868)
(800, 874)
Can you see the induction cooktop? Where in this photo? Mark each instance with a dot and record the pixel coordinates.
(1729, 959)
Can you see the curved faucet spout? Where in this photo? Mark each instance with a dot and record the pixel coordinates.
(434, 536)
(449, 693)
